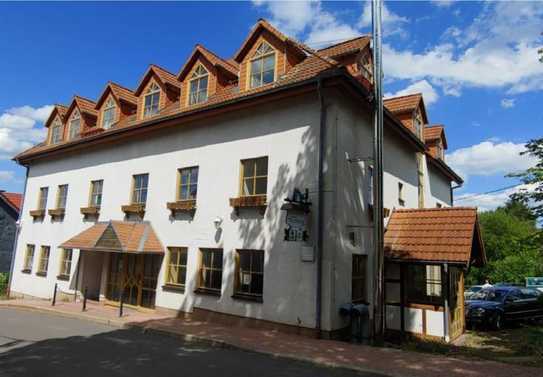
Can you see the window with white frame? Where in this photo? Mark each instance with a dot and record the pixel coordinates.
(151, 100)
(62, 196)
(56, 131)
(198, 85)
(108, 116)
(96, 193)
(65, 262)
(75, 125)
(262, 66)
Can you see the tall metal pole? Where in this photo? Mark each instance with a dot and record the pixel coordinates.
(378, 307)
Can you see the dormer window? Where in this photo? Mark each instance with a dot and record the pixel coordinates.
(108, 116)
(75, 125)
(56, 132)
(440, 153)
(152, 98)
(417, 124)
(198, 86)
(263, 66)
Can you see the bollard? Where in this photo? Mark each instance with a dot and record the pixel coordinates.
(121, 305)
(85, 299)
(54, 296)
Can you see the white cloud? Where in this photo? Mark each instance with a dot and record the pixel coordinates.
(6, 175)
(20, 128)
(393, 24)
(428, 92)
(326, 29)
(488, 202)
(507, 103)
(443, 3)
(489, 158)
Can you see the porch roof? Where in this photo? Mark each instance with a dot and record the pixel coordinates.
(117, 236)
(442, 235)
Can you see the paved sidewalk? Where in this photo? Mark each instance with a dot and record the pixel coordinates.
(388, 361)
(96, 312)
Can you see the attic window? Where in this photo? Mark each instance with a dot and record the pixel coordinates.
(108, 117)
(152, 98)
(75, 125)
(198, 85)
(263, 66)
(417, 124)
(56, 132)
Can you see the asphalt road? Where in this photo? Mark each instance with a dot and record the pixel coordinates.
(41, 345)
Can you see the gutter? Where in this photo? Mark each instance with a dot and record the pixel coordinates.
(17, 232)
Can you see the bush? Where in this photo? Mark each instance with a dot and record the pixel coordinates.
(4, 278)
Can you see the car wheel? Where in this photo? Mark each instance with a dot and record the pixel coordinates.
(497, 321)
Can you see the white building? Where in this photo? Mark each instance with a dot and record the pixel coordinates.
(172, 193)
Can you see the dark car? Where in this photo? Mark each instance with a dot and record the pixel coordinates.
(493, 307)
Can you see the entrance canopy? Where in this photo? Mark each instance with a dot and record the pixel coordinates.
(117, 236)
(439, 235)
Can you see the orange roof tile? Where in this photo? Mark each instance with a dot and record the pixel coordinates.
(166, 77)
(231, 67)
(84, 105)
(61, 110)
(435, 235)
(13, 199)
(435, 132)
(403, 103)
(120, 92)
(121, 236)
(346, 47)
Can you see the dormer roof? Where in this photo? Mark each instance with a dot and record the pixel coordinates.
(348, 47)
(164, 76)
(84, 105)
(435, 132)
(61, 110)
(262, 24)
(407, 103)
(119, 92)
(230, 67)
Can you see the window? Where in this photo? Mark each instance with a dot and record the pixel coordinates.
(65, 262)
(198, 86)
(139, 194)
(358, 284)
(43, 263)
(62, 196)
(420, 176)
(108, 116)
(439, 149)
(75, 125)
(211, 270)
(96, 193)
(188, 183)
(250, 273)
(417, 124)
(29, 258)
(401, 201)
(254, 173)
(56, 132)
(263, 66)
(424, 284)
(42, 201)
(177, 266)
(152, 98)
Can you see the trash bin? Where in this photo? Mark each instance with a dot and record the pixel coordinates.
(358, 316)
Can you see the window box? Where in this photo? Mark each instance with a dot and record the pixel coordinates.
(240, 296)
(134, 209)
(37, 213)
(174, 288)
(253, 201)
(90, 211)
(63, 277)
(208, 291)
(57, 212)
(182, 206)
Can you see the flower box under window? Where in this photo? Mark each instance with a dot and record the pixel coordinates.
(134, 209)
(254, 201)
(57, 212)
(182, 206)
(37, 213)
(90, 211)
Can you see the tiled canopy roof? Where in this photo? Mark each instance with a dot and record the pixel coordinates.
(13, 199)
(435, 235)
(434, 133)
(117, 236)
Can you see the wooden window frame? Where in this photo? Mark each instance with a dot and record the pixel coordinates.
(28, 261)
(42, 198)
(359, 276)
(93, 195)
(135, 192)
(111, 106)
(202, 286)
(151, 92)
(65, 264)
(262, 57)
(57, 125)
(169, 283)
(238, 293)
(43, 261)
(76, 116)
(197, 78)
(62, 198)
(180, 183)
(418, 289)
(254, 177)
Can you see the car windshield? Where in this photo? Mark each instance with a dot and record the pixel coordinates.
(489, 295)
(475, 289)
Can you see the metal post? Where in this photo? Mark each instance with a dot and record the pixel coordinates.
(54, 296)
(121, 303)
(77, 275)
(85, 299)
(378, 307)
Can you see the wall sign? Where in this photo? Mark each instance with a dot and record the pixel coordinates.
(297, 208)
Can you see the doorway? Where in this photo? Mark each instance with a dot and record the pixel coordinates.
(135, 275)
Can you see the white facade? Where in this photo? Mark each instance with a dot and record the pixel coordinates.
(287, 132)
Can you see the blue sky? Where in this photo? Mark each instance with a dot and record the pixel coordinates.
(475, 62)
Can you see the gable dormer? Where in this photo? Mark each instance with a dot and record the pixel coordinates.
(203, 75)
(157, 91)
(55, 124)
(354, 54)
(410, 110)
(80, 118)
(435, 140)
(114, 105)
(265, 56)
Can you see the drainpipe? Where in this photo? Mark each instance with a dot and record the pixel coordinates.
(17, 231)
(452, 192)
(320, 217)
(446, 315)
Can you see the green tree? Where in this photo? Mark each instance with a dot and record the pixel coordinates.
(512, 244)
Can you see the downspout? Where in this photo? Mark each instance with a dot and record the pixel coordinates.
(17, 231)
(452, 191)
(320, 208)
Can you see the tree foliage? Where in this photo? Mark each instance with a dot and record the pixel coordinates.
(513, 245)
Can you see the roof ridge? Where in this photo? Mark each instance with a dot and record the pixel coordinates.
(403, 96)
(345, 41)
(120, 86)
(161, 68)
(77, 96)
(435, 209)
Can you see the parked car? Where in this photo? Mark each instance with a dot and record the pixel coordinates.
(493, 307)
(471, 291)
(535, 282)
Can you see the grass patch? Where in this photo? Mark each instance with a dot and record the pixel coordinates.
(4, 279)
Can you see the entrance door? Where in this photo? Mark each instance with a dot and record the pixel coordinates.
(134, 275)
(456, 300)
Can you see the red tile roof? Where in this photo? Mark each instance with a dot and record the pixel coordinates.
(120, 92)
(435, 132)
(13, 199)
(229, 66)
(435, 235)
(403, 103)
(61, 110)
(166, 77)
(122, 236)
(346, 47)
(85, 105)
